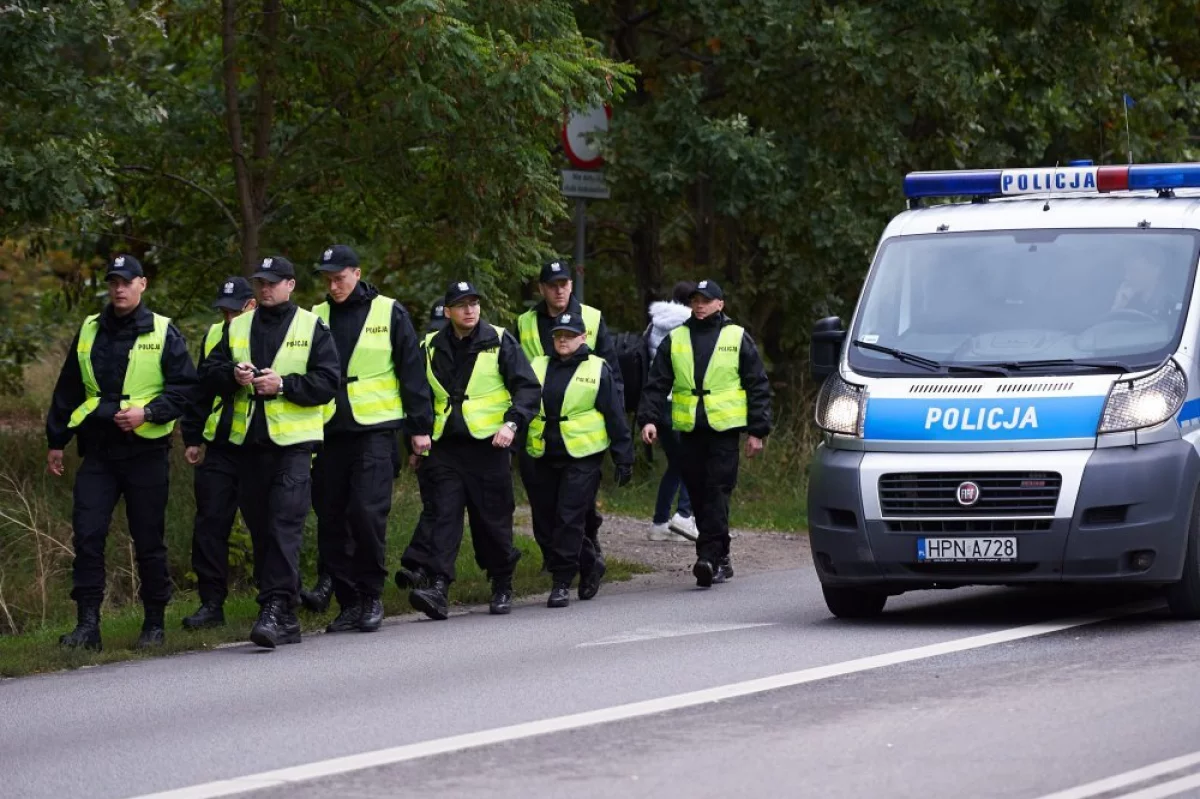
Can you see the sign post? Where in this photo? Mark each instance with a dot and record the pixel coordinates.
(586, 182)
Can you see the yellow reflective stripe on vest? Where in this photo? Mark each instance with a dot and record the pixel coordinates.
(143, 381)
(531, 340)
(581, 425)
(211, 339)
(486, 399)
(371, 383)
(723, 395)
(287, 422)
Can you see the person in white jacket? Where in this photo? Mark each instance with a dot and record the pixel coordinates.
(680, 526)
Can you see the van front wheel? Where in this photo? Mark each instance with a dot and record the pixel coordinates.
(854, 603)
(1183, 597)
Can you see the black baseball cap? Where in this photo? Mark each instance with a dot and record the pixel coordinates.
(124, 266)
(458, 290)
(708, 288)
(234, 294)
(569, 321)
(337, 258)
(438, 311)
(553, 271)
(275, 269)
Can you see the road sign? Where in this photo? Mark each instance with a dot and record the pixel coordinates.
(576, 132)
(588, 184)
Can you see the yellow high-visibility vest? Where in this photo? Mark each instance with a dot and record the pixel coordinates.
(371, 383)
(582, 426)
(531, 341)
(723, 396)
(486, 399)
(287, 422)
(143, 376)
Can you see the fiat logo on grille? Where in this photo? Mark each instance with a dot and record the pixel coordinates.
(967, 493)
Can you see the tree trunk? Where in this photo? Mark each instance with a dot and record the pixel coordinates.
(647, 259)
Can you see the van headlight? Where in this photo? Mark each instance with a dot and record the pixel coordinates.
(840, 407)
(1146, 401)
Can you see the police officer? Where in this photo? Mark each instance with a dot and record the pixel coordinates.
(280, 365)
(581, 417)
(206, 425)
(126, 379)
(719, 389)
(484, 393)
(412, 574)
(557, 290)
(383, 391)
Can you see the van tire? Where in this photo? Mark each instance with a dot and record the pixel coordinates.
(854, 603)
(1183, 597)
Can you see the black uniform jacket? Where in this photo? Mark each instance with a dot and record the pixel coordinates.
(99, 434)
(453, 360)
(704, 341)
(558, 376)
(346, 322)
(317, 386)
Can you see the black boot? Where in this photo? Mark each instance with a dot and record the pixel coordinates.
(560, 596)
(87, 629)
(347, 620)
(317, 600)
(703, 572)
(210, 614)
(371, 616)
(276, 625)
(408, 579)
(433, 601)
(501, 603)
(589, 584)
(724, 570)
(153, 633)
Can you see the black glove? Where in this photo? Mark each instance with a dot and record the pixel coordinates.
(624, 474)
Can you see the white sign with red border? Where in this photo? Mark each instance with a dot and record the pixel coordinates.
(576, 132)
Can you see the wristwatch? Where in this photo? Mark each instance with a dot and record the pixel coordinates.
(511, 426)
(148, 416)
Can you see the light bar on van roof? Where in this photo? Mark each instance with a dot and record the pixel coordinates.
(1057, 180)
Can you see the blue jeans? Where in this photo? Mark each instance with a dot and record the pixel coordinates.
(671, 482)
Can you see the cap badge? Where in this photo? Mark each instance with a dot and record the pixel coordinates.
(703, 284)
(119, 261)
(565, 318)
(327, 255)
(266, 264)
(555, 267)
(463, 287)
(229, 287)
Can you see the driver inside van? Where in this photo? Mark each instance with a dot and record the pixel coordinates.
(1142, 289)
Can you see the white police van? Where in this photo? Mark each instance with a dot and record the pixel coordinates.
(1017, 397)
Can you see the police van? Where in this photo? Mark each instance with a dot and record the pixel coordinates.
(1017, 396)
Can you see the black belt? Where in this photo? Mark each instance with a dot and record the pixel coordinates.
(700, 392)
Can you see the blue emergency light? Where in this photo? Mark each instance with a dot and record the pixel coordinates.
(1074, 179)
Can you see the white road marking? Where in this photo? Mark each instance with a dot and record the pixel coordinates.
(655, 632)
(1128, 778)
(1172, 788)
(575, 721)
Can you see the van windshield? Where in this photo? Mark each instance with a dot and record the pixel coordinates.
(1016, 298)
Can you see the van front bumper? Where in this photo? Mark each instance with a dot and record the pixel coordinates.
(1118, 505)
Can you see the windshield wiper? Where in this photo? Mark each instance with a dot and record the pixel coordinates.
(901, 355)
(1018, 366)
(930, 364)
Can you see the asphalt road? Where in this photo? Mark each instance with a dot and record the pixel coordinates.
(745, 688)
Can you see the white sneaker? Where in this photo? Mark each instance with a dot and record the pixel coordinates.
(684, 526)
(663, 532)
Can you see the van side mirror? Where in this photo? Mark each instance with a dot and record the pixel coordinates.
(825, 348)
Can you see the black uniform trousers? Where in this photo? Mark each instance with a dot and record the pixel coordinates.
(419, 553)
(471, 474)
(216, 487)
(561, 492)
(274, 492)
(99, 484)
(352, 491)
(708, 464)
